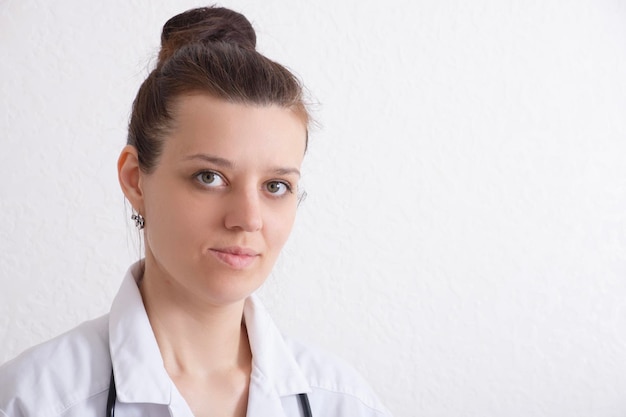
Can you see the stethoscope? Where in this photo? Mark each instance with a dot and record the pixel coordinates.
(304, 401)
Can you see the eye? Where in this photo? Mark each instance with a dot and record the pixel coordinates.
(210, 179)
(277, 188)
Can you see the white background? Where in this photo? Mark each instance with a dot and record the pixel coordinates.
(463, 243)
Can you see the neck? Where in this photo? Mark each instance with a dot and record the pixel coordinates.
(194, 338)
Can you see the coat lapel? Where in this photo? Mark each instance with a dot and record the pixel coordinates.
(275, 371)
(263, 400)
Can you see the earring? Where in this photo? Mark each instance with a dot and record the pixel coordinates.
(139, 220)
(301, 197)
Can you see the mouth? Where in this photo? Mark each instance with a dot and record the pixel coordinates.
(235, 257)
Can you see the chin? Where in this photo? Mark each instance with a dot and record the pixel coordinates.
(230, 289)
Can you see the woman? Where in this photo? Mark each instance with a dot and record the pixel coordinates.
(215, 144)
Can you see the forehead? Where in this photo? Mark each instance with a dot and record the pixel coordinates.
(203, 123)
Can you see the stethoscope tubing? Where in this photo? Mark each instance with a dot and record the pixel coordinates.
(112, 399)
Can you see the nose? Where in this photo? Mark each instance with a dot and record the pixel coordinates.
(243, 211)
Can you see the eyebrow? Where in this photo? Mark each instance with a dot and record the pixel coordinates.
(225, 163)
(209, 158)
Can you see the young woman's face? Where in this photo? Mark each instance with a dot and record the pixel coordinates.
(222, 199)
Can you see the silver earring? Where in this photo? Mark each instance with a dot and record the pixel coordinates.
(139, 220)
(301, 197)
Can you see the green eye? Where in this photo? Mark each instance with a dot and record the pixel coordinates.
(277, 188)
(210, 178)
(207, 177)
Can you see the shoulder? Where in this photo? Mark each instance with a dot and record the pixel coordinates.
(49, 378)
(337, 387)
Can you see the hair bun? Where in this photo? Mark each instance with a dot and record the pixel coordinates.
(206, 24)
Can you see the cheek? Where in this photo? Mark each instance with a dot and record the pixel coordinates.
(170, 217)
(279, 226)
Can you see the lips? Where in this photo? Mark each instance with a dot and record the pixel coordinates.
(235, 257)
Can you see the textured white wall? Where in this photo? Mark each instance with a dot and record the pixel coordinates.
(464, 239)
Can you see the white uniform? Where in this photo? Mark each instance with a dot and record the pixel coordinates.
(69, 375)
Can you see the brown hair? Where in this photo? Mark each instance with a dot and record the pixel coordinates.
(208, 50)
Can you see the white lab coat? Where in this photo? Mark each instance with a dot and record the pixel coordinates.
(69, 376)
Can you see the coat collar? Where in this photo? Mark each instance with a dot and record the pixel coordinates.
(141, 376)
(271, 358)
(275, 372)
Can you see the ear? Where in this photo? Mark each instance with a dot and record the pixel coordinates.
(129, 176)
